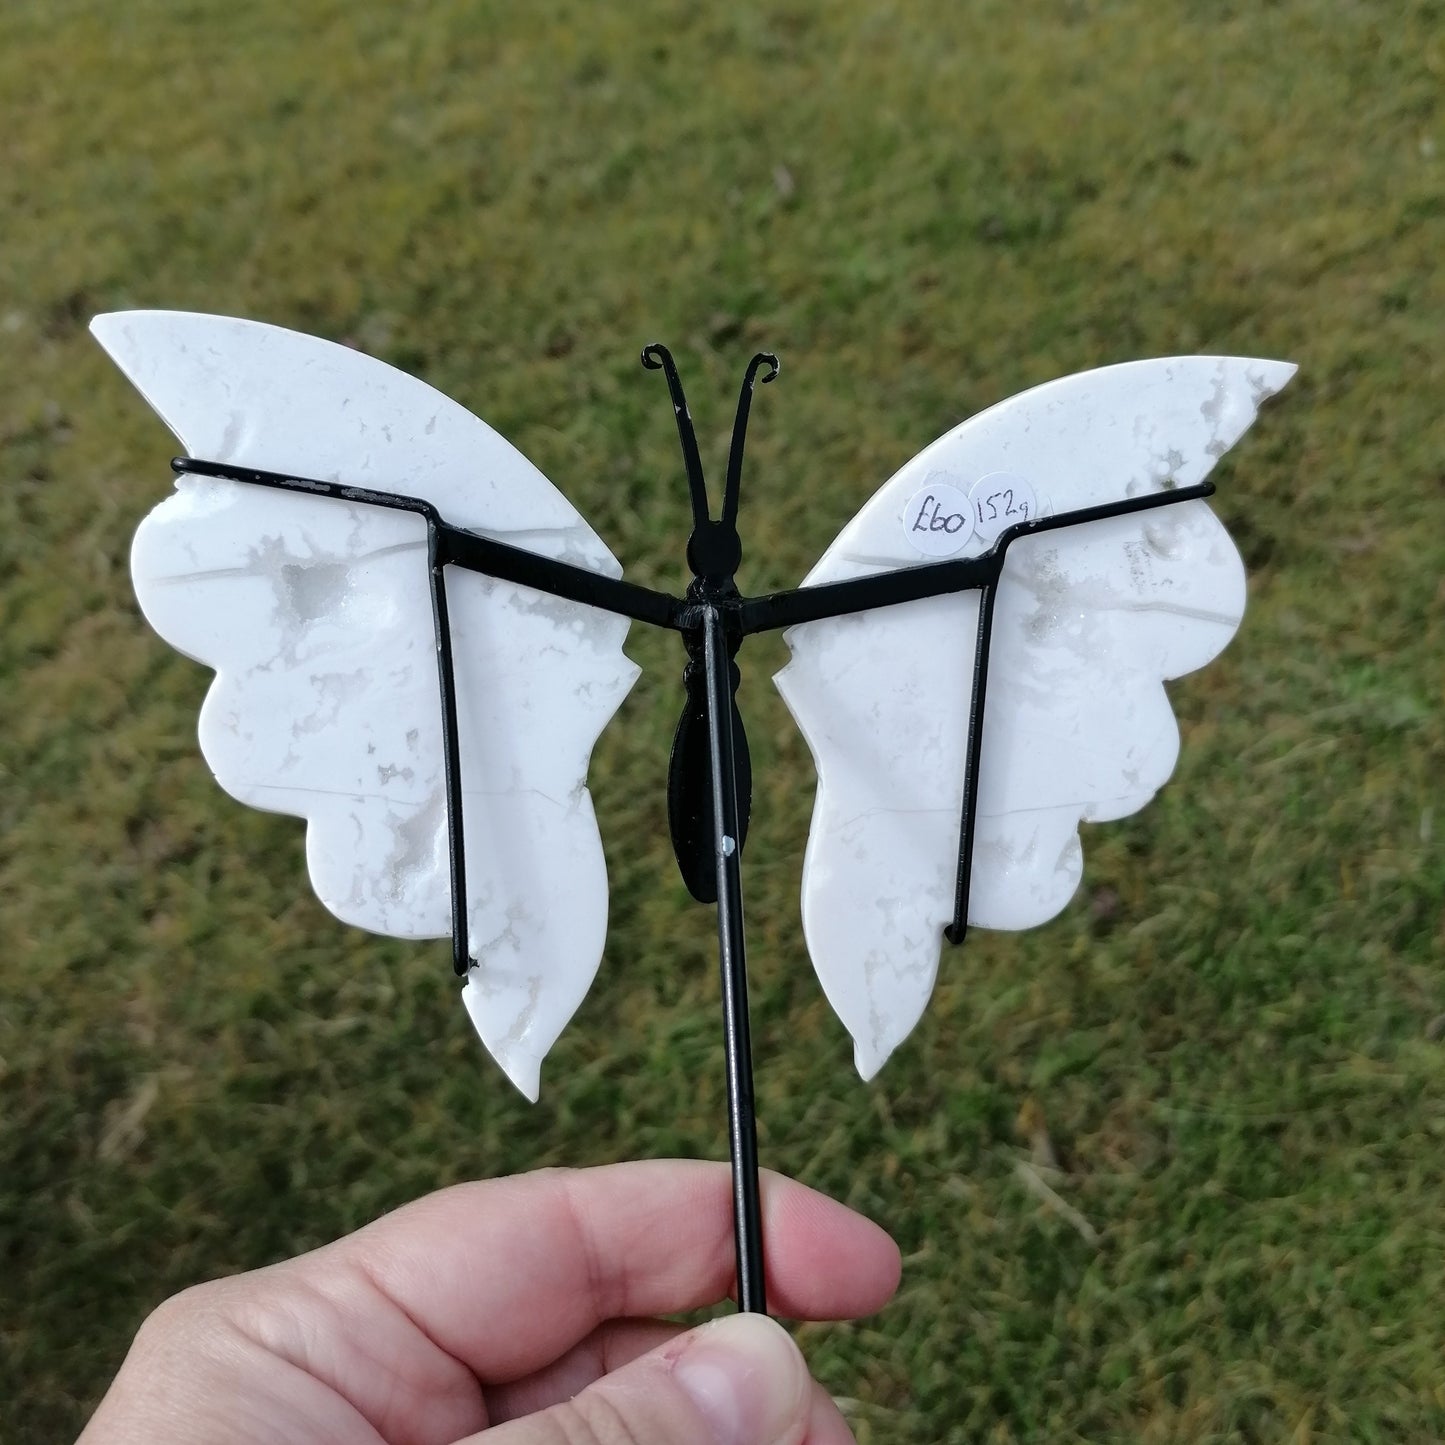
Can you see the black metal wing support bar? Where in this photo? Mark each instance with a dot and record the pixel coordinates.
(472, 550)
(937, 579)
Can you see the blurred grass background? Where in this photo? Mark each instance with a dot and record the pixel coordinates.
(1230, 1044)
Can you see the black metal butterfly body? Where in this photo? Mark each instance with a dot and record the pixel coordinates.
(710, 775)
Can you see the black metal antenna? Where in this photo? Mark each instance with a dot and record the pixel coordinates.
(656, 357)
(740, 433)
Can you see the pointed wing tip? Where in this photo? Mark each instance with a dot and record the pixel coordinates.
(1263, 376)
(105, 323)
(1274, 374)
(524, 1069)
(106, 328)
(114, 331)
(525, 1072)
(868, 1060)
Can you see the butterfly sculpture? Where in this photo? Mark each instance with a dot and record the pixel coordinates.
(417, 641)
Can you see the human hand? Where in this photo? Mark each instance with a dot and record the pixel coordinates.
(515, 1311)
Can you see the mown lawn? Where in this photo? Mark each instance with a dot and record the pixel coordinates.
(1231, 1041)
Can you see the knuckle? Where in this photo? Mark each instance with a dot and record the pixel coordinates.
(181, 1328)
(198, 1317)
(181, 1312)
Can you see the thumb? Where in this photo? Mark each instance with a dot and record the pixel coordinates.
(738, 1381)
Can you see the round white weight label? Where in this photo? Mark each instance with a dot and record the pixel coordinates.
(938, 520)
(1001, 500)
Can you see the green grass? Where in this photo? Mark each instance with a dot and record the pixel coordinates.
(924, 208)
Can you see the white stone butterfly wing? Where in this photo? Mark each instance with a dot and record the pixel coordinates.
(1089, 622)
(316, 616)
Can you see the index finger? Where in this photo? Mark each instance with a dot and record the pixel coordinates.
(506, 1274)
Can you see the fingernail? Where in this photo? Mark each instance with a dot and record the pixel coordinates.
(746, 1378)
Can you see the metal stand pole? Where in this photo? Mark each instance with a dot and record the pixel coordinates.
(742, 1125)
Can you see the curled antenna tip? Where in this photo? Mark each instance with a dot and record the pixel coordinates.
(655, 356)
(765, 358)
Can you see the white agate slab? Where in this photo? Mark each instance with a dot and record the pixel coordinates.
(1089, 623)
(316, 616)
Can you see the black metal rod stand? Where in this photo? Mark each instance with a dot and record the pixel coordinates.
(742, 1122)
(451, 748)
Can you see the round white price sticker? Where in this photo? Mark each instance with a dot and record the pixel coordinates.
(938, 520)
(1001, 500)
